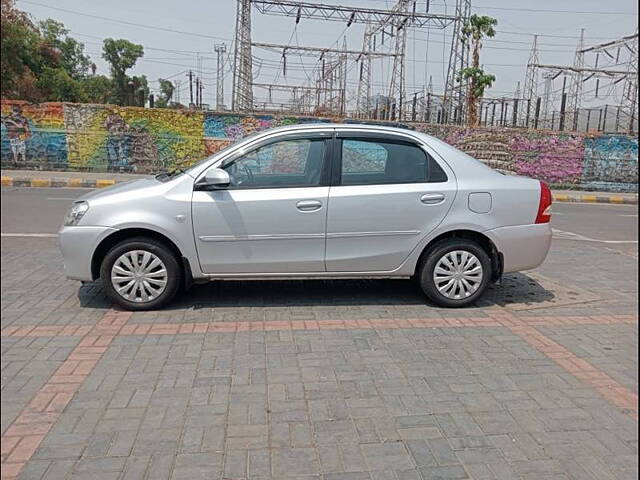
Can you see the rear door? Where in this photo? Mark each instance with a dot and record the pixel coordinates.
(387, 193)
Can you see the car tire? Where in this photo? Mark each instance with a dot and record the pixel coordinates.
(456, 283)
(147, 285)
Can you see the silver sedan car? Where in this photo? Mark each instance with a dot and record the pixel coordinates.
(312, 201)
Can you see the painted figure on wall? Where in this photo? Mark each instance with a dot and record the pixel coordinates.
(18, 132)
(117, 142)
(144, 152)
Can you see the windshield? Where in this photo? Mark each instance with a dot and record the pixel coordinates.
(220, 152)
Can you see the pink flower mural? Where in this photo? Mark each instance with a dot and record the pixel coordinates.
(556, 159)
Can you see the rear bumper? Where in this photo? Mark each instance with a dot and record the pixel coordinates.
(524, 246)
(77, 245)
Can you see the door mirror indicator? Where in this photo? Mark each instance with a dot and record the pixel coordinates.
(214, 178)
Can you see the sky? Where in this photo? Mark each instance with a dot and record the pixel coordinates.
(180, 35)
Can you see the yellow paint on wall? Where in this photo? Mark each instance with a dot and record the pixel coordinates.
(104, 183)
(40, 182)
(74, 182)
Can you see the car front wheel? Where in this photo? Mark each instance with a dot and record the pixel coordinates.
(455, 273)
(140, 274)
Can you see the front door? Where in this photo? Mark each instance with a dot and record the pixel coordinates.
(272, 217)
(387, 195)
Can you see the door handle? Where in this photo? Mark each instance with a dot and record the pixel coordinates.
(308, 205)
(432, 198)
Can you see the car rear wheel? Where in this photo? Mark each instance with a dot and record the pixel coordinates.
(140, 274)
(455, 272)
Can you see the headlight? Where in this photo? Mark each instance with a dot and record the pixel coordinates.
(75, 213)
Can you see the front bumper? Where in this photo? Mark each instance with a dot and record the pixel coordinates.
(77, 244)
(523, 246)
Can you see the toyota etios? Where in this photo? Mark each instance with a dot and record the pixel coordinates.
(312, 201)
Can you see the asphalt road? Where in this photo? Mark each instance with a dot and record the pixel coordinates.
(40, 210)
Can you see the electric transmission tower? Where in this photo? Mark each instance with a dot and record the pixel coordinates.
(620, 58)
(332, 75)
(575, 87)
(364, 81)
(455, 91)
(220, 50)
(530, 90)
(242, 99)
(363, 95)
(396, 85)
(546, 98)
(629, 101)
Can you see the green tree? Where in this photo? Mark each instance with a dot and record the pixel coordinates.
(71, 52)
(98, 89)
(166, 93)
(478, 27)
(55, 84)
(139, 88)
(121, 55)
(20, 56)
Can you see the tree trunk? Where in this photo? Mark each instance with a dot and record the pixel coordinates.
(472, 100)
(472, 109)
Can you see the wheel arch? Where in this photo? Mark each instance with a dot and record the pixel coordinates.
(481, 239)
(119, 235)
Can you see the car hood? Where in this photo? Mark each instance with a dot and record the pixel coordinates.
(124, 187)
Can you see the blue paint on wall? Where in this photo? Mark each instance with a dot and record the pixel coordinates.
(611, 163)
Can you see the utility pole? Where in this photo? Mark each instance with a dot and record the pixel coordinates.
(429, 99)
(220, 50)
(197, 92)
(516, 99)
(242, 99)
(190, 75)
(546, 97)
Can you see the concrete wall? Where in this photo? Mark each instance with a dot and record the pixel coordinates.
(106, 137)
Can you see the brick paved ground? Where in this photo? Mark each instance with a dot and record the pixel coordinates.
(332, 380)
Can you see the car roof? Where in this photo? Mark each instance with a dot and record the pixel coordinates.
(322, 125)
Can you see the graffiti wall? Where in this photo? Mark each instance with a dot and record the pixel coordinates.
(33, 135)
(131, 139)
(59, 136)
(611, 163)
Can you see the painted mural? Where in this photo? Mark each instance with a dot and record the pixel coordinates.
(131, 139)
(33, 136)
(611, 163)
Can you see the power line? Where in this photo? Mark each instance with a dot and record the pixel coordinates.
(124, 22)
(549, 35)
(542, 10)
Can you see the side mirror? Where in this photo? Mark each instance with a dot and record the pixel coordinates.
(214, 178)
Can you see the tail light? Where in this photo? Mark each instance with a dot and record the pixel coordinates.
(544, 208)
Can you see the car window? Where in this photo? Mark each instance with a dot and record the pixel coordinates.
(285, 163)
(370, 162)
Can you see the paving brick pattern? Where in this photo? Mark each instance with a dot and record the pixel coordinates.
(607, 347)
(353, 382)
